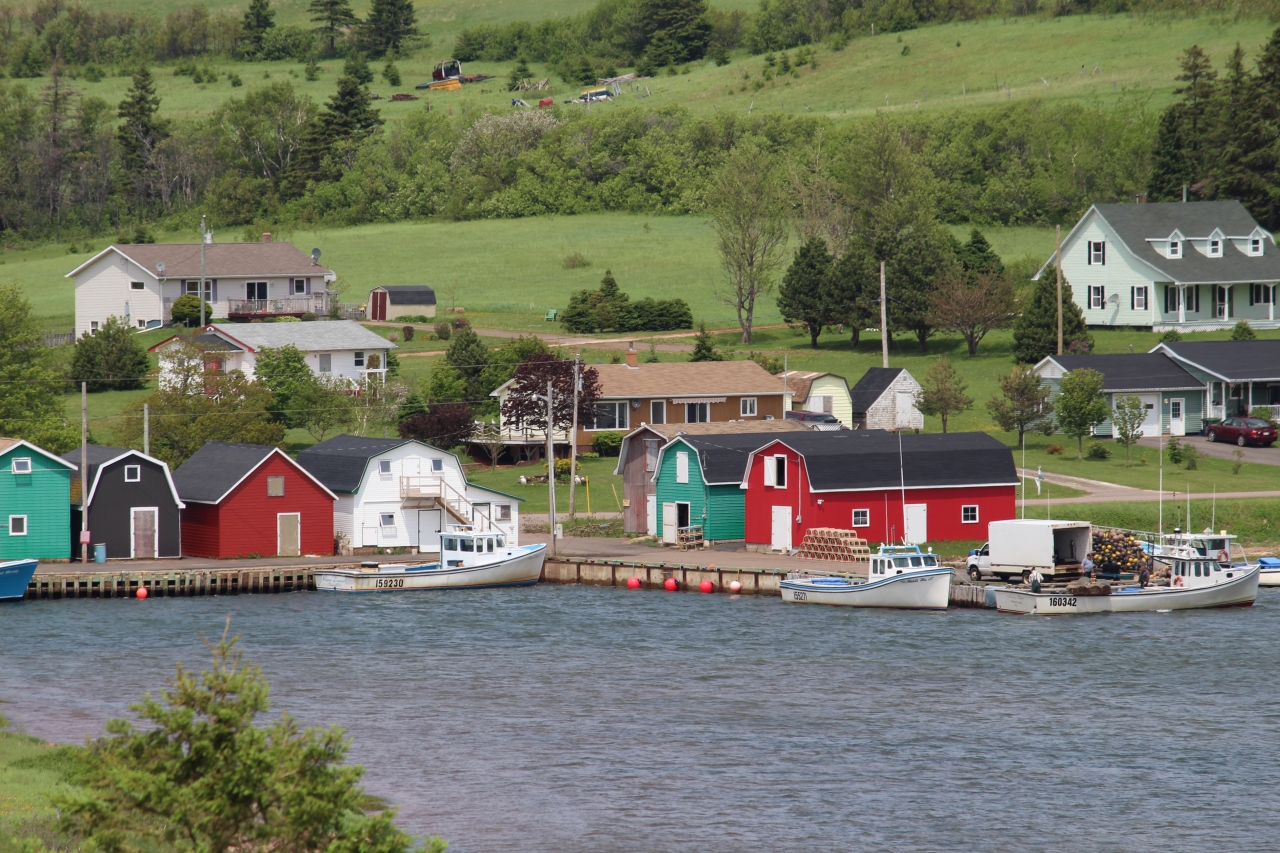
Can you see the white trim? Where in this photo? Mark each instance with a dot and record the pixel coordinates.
(976, 514)
(742, 405)
(13, 465)
(22, 442)
(249, 473)
(168, 476)
(137, 472)
(26, 526)
(116, 249)
(853, 518)
(894, 488)
(280, 515)
(133, 527)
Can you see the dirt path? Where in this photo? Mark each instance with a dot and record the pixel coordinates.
(662, 343)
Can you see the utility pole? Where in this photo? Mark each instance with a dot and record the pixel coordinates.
(573, 444)
(1057, 271)
(884, 321)
(551, 471)
(146, 428)
(84, 477)
(204, 241)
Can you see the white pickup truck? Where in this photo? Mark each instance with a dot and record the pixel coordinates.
(1018, 546)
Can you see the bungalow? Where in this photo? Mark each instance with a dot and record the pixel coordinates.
(1193, 267)
(244, 499)
(133, 504)
(885, 398)
(338, 348)
(638, 459)
(886, 487)
(242, 281)
(392, 301)
(669, 393)
(1238, 376)
(826, 393)
(401, 493)
(1174, 398)
(35, 502)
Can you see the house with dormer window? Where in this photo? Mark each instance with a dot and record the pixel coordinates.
(1188, 266)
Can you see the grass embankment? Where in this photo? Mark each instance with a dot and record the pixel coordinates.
(31, 772)
(605, 487)
(1256, 521)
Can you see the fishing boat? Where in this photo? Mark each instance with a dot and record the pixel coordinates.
(468, 560)
(897, 576)
(1195, 581)
(1268, 571)
(15, 576)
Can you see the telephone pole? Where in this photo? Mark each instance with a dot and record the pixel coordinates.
(84, 477)
(204, 241)
(884, 321)
(551, 470)
(573, 444)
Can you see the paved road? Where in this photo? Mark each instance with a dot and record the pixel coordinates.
(1223, 450)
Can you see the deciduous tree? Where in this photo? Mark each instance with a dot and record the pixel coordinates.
(941, 393)
(445, 425)
(323, 407)
(1080, 405)
(111, 359)
(972, 305)
(523, 410)
(1024, 404)
(1127, 418)
(284, 372)
(30, 390)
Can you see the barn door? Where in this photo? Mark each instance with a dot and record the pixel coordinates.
(917, 523)
(379, 306)
(289, 534)
(429, 531)
(906, 402)
(651, 514)
(669, 523)
(145, 542)
(781, 538)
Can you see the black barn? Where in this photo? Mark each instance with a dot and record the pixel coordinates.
(133, 506)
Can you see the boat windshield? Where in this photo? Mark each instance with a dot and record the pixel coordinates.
(450, 544)
(901, 562)
(467, 544)
(930, 560)
(502, 541)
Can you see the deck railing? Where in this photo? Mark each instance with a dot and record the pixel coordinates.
(287, 306)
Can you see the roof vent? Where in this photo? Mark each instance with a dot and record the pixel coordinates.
(266, 236)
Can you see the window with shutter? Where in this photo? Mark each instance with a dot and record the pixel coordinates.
(780, 472)
(770, 472)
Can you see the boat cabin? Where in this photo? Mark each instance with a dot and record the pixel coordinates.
(1218, 546)
(900, 559)
(465, 548)
(1189, 569)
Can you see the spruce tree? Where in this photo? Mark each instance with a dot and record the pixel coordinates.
(1238, 134)
(391, 23)
(348, 118)
(704, 348)
(679, 29)
(110, 360)
(801, 298)
(331, 17)
(518, 75)
(1264, 158)
(1035, 334)
(141, 129)
(357, 66)
(257, 21)
(468, 357)
(977, 256)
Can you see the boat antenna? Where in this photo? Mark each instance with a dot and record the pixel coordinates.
(1213, 519)
(902, 480)
(1024, 476)
(1188, 511)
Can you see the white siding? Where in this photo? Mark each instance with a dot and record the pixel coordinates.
(103, 291)
(343, 517)
(841, 405)
(883, 413)
(1118, 276)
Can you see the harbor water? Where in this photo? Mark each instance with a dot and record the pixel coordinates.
(565, 718)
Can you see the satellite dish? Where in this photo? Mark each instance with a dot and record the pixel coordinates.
(315, 256)
(1114, 298)
(160, 267)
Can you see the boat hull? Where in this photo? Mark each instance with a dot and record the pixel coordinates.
(1269, 577)
(928, 590)
(524, 567)
(15, 576)
(1237, 592)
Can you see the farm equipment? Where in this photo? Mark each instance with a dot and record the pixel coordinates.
(448, 75)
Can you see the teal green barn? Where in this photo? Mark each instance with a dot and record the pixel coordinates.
(698, 480)
(35, 502)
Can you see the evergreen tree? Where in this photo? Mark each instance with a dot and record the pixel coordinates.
(257, 21)
(977, 256)
(941, 392)
(677, 30)
(802, 296)
(1263, 158)
(391, 74)
(141, 129)
(357, 66)
(467, 357)
(348, 118)
(518, 75)
(30, 396)
(1035, 334)
(1171, 167)
(852, 292)
(1182, 156)
(1238, 134)
(390, 24)
(704, 348)
(331, 17)
(411, 405)
(110, 360)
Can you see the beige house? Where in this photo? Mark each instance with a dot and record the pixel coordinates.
(885, 398)
(826, 393)
(242, 281)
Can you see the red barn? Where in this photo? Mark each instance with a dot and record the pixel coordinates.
(244, 499)
(888, 487)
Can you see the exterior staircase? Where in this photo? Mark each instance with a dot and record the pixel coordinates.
(431, 491)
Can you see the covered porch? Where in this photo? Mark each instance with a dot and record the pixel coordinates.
(1238, 399)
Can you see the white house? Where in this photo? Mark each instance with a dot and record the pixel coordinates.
(338, 348)
(1193, 267)
(885, 398)
(140, 282)
(401, 493)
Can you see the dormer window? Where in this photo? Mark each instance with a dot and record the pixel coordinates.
(1215, 247)
(1175, 248)
(1255, 246)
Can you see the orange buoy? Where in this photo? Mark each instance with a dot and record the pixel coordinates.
(706, 586)
(142, 592)
(633, 583)
(735, 587)
(670, 584)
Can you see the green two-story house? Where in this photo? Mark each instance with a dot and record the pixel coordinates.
(698, 481)
(35, 502)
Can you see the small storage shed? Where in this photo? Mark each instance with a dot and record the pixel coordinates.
(698, 481)
(826, 393)
(35, 502)
(885, 398)
(134, 508)
(399, 300)
(244, 499)
(885, 487)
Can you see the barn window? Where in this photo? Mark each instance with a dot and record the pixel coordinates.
(384, 466)
(387, 519)
(17, 525)
(969, 514)
(437, 466)
(747, 407)
(650, 454)
(275, 487)
(504, 511)
(780, 471)
(359, 358)
(682, 467)
(133, 473)
(22, 465)
(862, 518)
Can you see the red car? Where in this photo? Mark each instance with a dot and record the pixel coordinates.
(1244, 431)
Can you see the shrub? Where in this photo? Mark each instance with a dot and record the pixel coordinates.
(1238, 456)
(394, 337)
(1054, 449)
(771, 363)
(443, 330)
(407, 331)
(309, 317)
(413, 318)
(562, 469)
(1175, 450)
(391, 74)
(186, 310)
(1243, 332)
(1191, 456)
(111, 360)
(1171, 337)
(93, 74)
(1099, 450)
(1265, 413)
(576, 261)
(235, 79)
(608, 443)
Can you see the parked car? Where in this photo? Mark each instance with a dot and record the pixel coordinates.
(1244, 431)
(816, 420)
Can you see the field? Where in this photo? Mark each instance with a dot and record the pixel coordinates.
(950, 66)
(30, 772)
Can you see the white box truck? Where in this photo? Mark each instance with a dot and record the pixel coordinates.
(1016, 547)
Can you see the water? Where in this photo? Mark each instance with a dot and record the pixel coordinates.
(579, 719)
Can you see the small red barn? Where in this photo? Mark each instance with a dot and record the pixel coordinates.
(887, 487)
(244, 499)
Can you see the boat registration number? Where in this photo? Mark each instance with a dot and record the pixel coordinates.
(1062, 601)
(799, 596)
(388, 583)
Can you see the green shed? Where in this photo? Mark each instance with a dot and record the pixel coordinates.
(698, 480)
(35, 502)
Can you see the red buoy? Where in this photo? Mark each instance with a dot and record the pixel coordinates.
(735, 587)
(142, 592)
(633, 583)
(669, 584)
(706, 586)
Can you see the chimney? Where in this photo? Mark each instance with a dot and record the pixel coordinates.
(266, 236)
(631, 358)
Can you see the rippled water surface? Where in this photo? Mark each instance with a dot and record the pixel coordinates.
(579, 719)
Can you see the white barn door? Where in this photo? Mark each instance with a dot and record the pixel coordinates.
(429, 531)
(917, 523)
(902, 416)
(669, 523)
(781, 538)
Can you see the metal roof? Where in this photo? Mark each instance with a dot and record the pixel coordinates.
(723, 458)
(409, 294)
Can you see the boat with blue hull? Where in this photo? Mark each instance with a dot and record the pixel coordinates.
(15, 576)
(898, 576)
(468, 560)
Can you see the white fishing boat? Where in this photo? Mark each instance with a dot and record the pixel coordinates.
(1195, 582)
(468, 560)
(1268, 571)
(898, 576)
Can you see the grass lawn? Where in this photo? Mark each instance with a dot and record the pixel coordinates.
(605, 487)
(1255, 521)
(30, 772)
